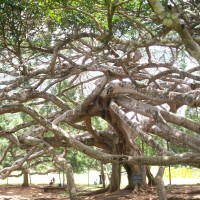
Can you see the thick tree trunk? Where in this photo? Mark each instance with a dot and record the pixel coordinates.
(135, 175)
(115, 178)
(25, 178)
(129, 176)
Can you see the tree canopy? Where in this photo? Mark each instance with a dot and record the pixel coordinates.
(96, 76)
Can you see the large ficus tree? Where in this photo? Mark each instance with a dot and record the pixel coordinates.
(133, 65)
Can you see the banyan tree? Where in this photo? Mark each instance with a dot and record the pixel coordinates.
(133, 65)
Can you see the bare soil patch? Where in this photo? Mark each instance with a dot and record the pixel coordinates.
(34, 192)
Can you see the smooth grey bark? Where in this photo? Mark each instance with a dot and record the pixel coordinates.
(115, 178)
(160, 184)
(70, 181)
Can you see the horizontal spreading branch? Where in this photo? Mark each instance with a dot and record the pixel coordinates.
(149, 110)
(5, 172)
(191, 98)
(192, 158)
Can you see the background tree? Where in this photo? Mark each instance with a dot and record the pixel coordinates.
(134, 64)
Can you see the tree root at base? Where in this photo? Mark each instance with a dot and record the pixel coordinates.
(89, 193)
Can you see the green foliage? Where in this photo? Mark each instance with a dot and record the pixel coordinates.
(9, 120)
(99, 123)
(193, 113)
(3, 145)
(41, 164)
(81, 162)
(14, 27)
(164, 3)
(146, 149)
(182, 59)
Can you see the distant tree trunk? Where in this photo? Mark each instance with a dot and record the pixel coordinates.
(103, 176)
(25, 178)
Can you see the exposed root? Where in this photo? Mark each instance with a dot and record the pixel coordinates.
(138, 190)
(90, 193)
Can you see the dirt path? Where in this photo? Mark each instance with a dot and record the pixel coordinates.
(174, 192)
